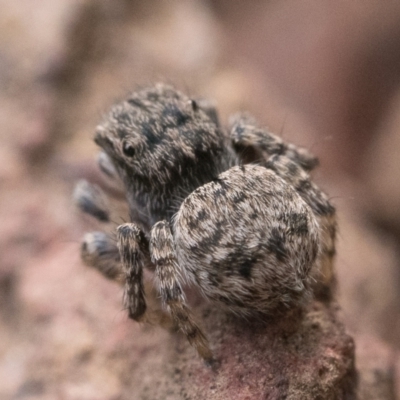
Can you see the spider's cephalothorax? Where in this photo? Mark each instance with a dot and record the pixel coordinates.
(164, 145)
(235, 214)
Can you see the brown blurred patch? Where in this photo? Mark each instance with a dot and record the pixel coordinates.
(311, 70)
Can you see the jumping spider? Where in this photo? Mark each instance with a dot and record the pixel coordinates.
(235, 214)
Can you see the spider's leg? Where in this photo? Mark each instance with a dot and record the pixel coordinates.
(91, 200)
(134, 252)
(325, 213)
(98, 250)
(131, 247)
(255, 144)
(167, 272)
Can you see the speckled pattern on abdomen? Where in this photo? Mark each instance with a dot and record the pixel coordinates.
(248, 240)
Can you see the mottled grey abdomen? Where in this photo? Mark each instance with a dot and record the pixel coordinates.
(248, 240)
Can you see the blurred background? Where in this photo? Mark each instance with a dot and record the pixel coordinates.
(323, 74)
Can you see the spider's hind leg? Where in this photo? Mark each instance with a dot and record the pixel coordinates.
(325, 214)
(292, 163)
(255, 144)
(163, 255)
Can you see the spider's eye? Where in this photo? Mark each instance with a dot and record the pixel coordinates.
(128, 149)
(194, 105)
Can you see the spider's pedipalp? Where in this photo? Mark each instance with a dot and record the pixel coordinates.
(106, 166)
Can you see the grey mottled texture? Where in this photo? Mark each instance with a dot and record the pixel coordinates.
(236, 215)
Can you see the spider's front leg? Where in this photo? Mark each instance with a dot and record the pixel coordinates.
(168, 274)
(98, 249)
(132, 248)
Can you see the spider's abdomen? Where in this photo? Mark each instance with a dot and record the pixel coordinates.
(248, 239)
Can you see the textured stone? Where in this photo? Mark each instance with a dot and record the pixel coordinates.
(63, 333)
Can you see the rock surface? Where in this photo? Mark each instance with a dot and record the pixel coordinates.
(63, 333)
(80, 345)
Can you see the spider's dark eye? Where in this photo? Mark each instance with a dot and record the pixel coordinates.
(128, 149)
(194, 105)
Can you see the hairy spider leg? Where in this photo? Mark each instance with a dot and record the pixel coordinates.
(167, 272)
